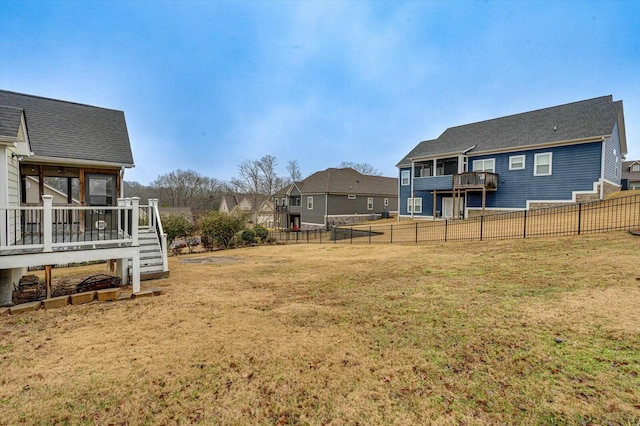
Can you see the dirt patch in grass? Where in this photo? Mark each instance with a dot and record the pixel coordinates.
(614, 308)
(504, 332)
(210, 259)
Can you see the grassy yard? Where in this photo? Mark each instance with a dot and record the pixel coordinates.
(540, 331)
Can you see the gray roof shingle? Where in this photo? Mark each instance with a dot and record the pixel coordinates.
(10, 121)
(68, 130)
(569, 122)
(347, 181)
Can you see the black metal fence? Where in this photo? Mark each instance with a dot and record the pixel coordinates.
(573, 219)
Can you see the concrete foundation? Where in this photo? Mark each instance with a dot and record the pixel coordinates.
(9, 279)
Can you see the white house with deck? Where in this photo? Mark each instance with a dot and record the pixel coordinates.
(61, 194)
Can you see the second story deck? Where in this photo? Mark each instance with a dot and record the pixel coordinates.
(476, 181)
(473, 181)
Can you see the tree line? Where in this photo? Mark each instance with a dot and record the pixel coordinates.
(256, 179)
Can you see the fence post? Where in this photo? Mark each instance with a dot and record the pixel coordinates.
(481, 225)
(524, 230)
(579, 217)
(369, 234)
(446, 221)
(391, 242)
(351, 236)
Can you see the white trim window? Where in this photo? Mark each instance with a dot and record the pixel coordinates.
(543, 164)
(635, 168)
(486, 165)
(516, 162)
(309, 203)
(351, 197)
(417, 204)
(386, 202)
(405, 177)
(369, 203)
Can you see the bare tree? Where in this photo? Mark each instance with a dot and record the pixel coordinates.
(294, 171)
(364, 168)
(177, 188)
(250, 183)
(208, 195)
(267, 166)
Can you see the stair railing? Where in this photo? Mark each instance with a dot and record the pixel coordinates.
(156, 222)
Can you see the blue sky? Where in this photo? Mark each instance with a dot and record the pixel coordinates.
(207, 84)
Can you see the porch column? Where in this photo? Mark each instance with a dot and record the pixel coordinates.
(413, 201)
(484, 197)
(135, 272)
(434, 204)
(47, 223)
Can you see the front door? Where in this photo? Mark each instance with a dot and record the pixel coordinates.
(447, 207)
(100, 191)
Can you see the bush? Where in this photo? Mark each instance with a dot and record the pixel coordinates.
(261, 232)
(246, 237)
(218, 229)
(176, 226)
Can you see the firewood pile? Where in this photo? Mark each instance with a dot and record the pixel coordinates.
(31, 289)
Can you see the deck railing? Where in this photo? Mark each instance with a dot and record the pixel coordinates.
(48, 228)
(475, 180)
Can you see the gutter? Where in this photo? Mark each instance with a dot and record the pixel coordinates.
(76, 162)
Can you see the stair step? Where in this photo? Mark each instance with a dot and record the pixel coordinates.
(148, 269)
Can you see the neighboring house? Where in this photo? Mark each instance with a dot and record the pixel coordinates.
(242, 205)
(177, 211)
(334, 197)
(61, 171)
(631, 174)
(558, 155)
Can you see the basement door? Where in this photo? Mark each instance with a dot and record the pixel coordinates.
(447, 207)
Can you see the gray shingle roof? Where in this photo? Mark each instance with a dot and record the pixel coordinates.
(68, 130)
(347, 181)
(10, 121)
(573, 121)
(627, 173)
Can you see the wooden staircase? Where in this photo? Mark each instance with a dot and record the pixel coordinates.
(151, 263)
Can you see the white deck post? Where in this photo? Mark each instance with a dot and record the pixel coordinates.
(47, 226)
(120, 224)
(152, 217)
(135, 213)
(135, 261)
(135, 273)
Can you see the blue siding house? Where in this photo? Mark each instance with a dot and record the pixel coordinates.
(557, 155)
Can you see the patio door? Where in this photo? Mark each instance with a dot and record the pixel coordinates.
(100, 191)
(447, 207)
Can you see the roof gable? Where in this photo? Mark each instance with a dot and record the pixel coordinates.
(591, 118)
(347, 181)
(10, 119)
(68, 130)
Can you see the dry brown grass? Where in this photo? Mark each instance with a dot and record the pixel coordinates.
(334, 334)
